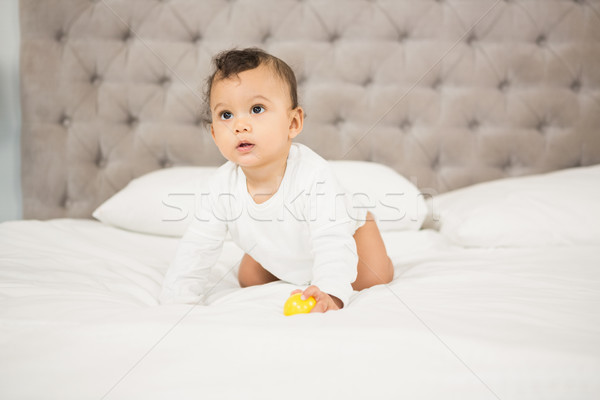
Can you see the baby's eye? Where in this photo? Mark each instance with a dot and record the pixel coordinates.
(225, 115)
(258, 109)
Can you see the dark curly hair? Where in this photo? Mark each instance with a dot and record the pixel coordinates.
(231, 62)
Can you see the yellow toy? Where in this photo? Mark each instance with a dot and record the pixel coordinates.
(295, 305)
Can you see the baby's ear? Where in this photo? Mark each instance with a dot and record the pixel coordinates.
(212, 131)
(296, 122)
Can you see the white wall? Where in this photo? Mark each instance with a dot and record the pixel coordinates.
(10, 112)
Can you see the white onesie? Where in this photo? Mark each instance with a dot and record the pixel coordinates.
(302, 234)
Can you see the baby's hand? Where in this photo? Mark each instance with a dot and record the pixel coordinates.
(325, 302)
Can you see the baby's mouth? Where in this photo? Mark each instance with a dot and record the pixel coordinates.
(245, 146)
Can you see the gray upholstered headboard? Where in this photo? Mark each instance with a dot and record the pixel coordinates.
(448, 92)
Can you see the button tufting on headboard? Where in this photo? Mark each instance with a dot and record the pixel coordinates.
(101, 161)
(437, 84)
(164, 162)
(504, 85)
(405, 125)
(471, 38)
(95, 80)
(542, 126)
(164, 81)
(196, 38)
(403, 36)
(65, 121)
(473, 124)
(131, 120)
(127, 36)
(448, 93)
(541, 40)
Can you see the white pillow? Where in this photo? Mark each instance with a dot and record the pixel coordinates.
(558, 208)
(397, 204)
(164, 202)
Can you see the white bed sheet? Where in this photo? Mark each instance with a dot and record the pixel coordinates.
(79, 320)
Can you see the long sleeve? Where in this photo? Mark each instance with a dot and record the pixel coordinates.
(331, 229)
(197, 252)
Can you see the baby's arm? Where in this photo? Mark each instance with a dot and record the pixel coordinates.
(334, 248)
(197, 252)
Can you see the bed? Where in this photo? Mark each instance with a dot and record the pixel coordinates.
(474, 124)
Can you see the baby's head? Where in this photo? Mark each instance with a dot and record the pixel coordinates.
(253, 107)
(230, 63)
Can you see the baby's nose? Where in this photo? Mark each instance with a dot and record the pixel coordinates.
(242, 125)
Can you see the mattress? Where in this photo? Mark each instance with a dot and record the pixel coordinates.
(79, 319)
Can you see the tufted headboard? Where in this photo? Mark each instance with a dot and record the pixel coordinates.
(447, 92)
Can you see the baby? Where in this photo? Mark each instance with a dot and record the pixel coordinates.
(278, 199)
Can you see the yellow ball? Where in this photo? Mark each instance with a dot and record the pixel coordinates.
(295, 305)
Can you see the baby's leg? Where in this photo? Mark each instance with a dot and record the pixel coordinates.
(374, 265)
(252, 273)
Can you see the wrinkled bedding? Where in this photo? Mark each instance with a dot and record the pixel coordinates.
(79, 319)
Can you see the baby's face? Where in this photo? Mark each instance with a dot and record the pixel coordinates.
(252, 120)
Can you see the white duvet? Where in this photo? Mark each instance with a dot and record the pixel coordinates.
(79, 320)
